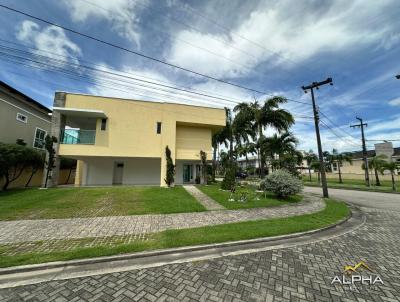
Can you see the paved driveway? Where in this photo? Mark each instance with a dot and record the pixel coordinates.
(377, 200)
(300, 273)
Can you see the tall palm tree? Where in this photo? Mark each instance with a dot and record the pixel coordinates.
(310, 157)
(392, 167)
(244, 150)
(339, 159)
(377, 163)
(284, 144)
(261, 116)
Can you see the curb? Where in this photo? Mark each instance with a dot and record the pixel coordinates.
(164, 252)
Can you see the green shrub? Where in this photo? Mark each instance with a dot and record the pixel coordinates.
(230, 177)
(282, 184)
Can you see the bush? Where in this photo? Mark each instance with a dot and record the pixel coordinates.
(230, 177)
(282, 183)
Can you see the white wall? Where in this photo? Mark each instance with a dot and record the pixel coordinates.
(141, 171)
(99, 171)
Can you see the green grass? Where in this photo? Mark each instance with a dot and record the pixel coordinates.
(91, 202)
(255, 200)
(353, 184)
(333, 212)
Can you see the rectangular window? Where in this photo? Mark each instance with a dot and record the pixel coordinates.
(22, 118)
(103, 124)
(38, 142)
(158, 127)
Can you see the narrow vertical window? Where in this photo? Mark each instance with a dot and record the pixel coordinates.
(103, 124)
(158, 127)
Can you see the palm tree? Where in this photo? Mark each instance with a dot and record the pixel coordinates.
(281, 145)
(392, 167)
(259, 117)
(377, 163)
(244, 150)
(316, 166)
(339, 159)
(310, 157)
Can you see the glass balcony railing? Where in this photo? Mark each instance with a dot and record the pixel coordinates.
(73, 136)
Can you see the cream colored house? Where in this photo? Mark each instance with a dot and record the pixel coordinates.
(121, 141)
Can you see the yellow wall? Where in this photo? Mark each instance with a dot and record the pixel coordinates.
(37, 179)
(131, 130)
(190, 140)
(131, 127)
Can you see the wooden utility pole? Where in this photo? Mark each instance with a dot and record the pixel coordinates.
(316, 121)
(365, 156)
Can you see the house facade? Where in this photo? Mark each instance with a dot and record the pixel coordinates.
(21, 117)
(121, 141)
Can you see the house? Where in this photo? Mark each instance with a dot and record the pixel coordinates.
(355, 169)
(21, 117)
(122, 141)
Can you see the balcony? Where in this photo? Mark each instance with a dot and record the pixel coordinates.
(78, 136)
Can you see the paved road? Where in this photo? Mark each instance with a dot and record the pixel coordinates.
(301, 273)
(377, 200)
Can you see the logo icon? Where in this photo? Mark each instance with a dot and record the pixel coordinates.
(348, 269)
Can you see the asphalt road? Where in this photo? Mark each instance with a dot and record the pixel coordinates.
(377, 200)
(299, 273)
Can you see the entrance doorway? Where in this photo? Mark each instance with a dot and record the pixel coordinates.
(118, 173)
(187, 173)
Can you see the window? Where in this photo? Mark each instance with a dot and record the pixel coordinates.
(22, 118)
(39, 138)
(334, 166)
(103, 124)
(158, 127)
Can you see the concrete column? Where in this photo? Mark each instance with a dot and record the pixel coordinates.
(57, 123)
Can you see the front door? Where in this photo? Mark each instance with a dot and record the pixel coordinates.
(187, 173)
(118, 173)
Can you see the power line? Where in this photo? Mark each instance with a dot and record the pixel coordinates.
(338, 135)
(338, 127)
(140, 54)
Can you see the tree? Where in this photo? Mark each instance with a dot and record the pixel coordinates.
(169, 179)
(339, 159)
(310, 157)
(203, 158)
(12, 162)
(258, 117)
(34, 162)
(244, 150)
(316, 166)
(392, 167)
(376, 163)
(51, 155)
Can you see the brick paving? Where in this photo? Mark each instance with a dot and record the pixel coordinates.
(301, 273)
(22, 231)
(209, 203)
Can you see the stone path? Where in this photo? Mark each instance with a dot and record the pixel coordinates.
(52, 229)
(206, 201)
(302, 273)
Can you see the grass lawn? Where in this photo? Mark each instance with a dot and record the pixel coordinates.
(255, 200)
(333, 212)
(92, 202)
(354, 184)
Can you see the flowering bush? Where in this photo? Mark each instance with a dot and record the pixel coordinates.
(282, 183)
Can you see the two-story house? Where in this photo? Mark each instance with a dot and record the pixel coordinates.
(121, 141)
(21, 117)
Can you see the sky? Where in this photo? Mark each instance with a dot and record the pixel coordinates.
(273, 47)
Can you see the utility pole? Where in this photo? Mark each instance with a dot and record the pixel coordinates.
(316, 121)
(361, 125)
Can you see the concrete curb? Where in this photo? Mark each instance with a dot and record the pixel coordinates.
(98, 260)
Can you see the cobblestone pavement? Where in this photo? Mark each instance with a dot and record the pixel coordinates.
(21, 231)
(206, 201)
(301, 273)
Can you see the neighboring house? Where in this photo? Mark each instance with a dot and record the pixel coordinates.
(386, 148)
(251, 162)
(21, 117)
(121, 141)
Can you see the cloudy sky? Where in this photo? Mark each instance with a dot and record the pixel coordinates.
(273, 47)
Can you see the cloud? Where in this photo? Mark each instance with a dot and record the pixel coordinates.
(122, 14)
(50, 39)
(395, 102)
(284, 37)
